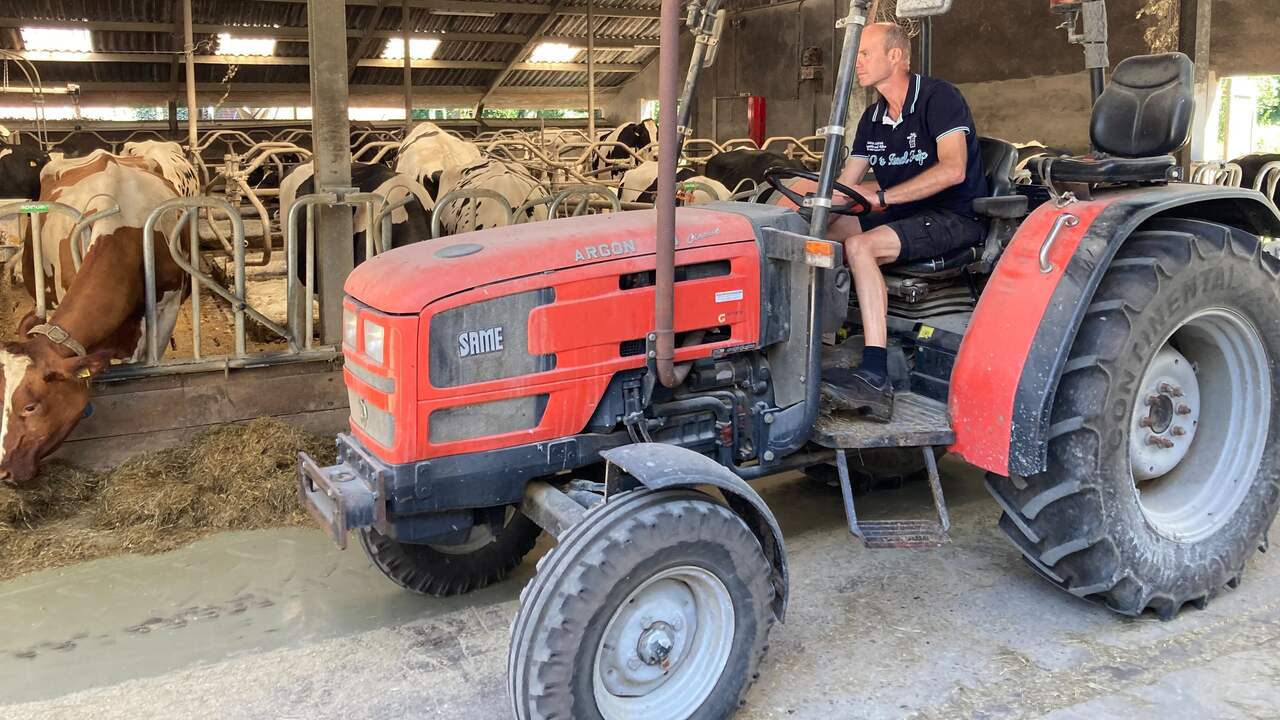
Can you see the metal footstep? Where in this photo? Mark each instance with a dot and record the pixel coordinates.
(898, 533)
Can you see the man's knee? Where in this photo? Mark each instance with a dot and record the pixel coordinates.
(859, 248)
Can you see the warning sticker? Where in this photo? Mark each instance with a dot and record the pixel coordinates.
(728, 296)
(925, 333)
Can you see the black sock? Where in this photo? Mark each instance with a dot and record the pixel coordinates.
(875, 361)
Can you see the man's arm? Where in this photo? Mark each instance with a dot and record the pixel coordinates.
(953, 157)
(855, 168)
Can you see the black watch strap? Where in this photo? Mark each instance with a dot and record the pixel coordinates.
(880, 197)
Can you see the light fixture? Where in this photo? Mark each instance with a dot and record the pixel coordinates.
(228, 45)
(57, 40)
(464, 13)
(419, 48)
(553, 52)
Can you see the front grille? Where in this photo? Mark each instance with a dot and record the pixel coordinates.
(486, 341)
(467, 422)
(374, 421)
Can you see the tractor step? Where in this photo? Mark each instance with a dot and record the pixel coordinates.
(917, 421)
(898, 533)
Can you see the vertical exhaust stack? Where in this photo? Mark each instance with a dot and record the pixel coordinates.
(668, 154)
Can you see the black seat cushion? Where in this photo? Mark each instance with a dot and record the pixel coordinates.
(1094, 170)
(1146, 109)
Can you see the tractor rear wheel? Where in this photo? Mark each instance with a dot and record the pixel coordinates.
(1164, 445)
(656, 605)
(488, 555)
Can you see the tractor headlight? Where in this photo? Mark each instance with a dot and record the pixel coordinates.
(349, 327)
(374, 335)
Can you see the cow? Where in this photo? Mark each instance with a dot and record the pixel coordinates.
(427, 151)
(167, 158)
(409, 224)
(640, 184)
(78, 144)
(735, 168)
(511, 181)
(1030, 155)
(638, 136)
(20, 167)
(1251, 165)
(100, 307)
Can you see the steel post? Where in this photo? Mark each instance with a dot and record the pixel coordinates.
(408, 66)
(330, 132)
(591, 72)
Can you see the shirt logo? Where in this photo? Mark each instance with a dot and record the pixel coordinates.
(479, 342)
(911, 141)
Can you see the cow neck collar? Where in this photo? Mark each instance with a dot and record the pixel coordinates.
(58, 336)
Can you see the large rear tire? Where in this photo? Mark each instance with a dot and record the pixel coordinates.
(487, 556)
(1163, 445)
(656, 605)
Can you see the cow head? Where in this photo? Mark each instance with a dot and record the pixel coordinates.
(45, 396)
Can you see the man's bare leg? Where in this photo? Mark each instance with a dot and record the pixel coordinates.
(867, 389)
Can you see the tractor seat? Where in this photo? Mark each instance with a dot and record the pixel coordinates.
(998, 161)
(1142, 117)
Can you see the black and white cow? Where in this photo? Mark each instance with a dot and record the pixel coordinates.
(1251, 165)
(635, 135)
(734, 168)
(409, 224)
(640, 184)
(79, 143)
(427, 151)
(20, 171)
(513, 182)
(167, 158)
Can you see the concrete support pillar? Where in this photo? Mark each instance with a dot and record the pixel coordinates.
(591, 73)
(331, 139)
(405, 29)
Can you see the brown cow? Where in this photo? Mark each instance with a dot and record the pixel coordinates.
(99, 308)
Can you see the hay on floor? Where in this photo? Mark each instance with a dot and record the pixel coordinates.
(236, 477)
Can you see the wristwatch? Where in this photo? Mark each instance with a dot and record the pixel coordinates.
(880, 197)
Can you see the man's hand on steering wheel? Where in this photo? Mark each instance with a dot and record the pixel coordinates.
(856, 203)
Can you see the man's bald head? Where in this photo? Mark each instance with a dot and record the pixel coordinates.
(885, 52)
(890, 36)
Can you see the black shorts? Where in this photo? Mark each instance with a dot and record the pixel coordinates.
(929, 233)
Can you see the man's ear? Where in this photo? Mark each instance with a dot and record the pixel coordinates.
(81, 368)
(31, 320)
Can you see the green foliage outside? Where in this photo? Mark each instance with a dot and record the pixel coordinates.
(1269, 100)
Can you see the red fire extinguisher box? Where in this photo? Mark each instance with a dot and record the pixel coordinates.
(755, 118)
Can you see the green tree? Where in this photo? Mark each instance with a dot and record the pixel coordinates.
(1269, 100)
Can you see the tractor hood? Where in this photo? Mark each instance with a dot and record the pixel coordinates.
(407, 279)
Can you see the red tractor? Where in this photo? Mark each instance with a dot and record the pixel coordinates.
(1108, 355)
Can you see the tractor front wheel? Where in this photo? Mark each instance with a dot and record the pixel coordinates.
(1164, 445)
(487, 555)
(656, 605)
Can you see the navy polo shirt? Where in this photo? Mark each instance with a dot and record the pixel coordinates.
(900, 150)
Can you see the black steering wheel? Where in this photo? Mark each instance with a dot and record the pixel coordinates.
(856, 206)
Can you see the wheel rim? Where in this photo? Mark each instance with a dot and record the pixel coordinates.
(1200, 424)
(478, 537)
(666, 646)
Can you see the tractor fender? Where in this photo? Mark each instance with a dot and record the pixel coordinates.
(1021, 332)
(659, 466)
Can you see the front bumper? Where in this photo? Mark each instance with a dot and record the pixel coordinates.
(431, 500)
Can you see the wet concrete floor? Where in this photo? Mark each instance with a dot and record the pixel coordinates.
(280, 624)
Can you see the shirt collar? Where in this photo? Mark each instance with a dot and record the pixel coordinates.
(881, 112)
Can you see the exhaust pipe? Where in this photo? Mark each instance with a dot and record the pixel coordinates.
(668, 154)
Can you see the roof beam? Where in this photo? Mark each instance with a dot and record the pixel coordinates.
(148, 57)
(604, 43)
(476, 6)
(523, 50)
(579, 67)
(282, 34)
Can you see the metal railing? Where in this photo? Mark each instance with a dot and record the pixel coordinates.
(1266, 180)
(36, 212)
(466, 194)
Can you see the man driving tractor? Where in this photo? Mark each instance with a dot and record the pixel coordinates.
(921, 142)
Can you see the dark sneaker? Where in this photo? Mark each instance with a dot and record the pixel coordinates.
(859, 391)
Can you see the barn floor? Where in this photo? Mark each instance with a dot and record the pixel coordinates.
(281, 624)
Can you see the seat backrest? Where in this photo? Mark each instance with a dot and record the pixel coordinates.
(998, 160)
(1146, 109)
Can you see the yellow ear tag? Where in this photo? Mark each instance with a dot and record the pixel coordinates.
(84, 374)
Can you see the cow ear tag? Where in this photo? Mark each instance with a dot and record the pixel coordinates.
(88, 410)
(84, 374)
